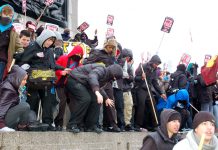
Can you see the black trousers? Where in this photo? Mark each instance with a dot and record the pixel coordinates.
(119, 104)
(85, 109)
(48, 101)
(145, 116)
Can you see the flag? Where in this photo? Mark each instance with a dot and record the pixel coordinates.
(209, 71)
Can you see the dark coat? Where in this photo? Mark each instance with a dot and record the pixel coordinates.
(95, 76)
(151, 77)
(9, 95)
(204, 93)
(159, 140)
(178, 80)
(30, 54)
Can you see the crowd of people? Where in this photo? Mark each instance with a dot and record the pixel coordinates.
(101, 90)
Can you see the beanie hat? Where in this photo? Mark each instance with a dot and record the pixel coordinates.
(202, 116)
(175, 116)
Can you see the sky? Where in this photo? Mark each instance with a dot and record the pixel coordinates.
(137, 27)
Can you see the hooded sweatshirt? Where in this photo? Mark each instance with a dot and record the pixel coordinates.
(66, 61)
(191, 142)
(30, 54)
(9, 95)
(160, 140)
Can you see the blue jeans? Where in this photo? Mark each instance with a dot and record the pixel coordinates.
(207, 107)
(2, 68)
(215, 113)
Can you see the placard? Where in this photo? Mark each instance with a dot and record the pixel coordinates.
(167, 24)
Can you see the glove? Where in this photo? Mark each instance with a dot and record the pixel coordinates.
(25, 66)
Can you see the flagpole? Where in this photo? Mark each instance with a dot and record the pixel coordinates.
(160, 43)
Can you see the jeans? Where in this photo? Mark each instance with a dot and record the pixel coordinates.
(207, 107)
(2, 68)
(215, 113)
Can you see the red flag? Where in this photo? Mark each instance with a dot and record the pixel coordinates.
(209, 71)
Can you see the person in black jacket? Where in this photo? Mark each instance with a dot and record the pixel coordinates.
(39, 57)
(145, 115)
(166, 135)
(85, 85)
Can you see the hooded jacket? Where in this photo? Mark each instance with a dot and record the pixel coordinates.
(174, 100)
(30, 54)
(151, 75)
(178, 79)
(160, 140)
(66, 61)
(95, 76)
(14, 43)
(9, 96)
(189, 143)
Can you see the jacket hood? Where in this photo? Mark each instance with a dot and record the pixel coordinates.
(164, 117)
(115, 70)
(16, 76)
(182, 95)
(4, 28)
(77, 50)
(58, 35)
(44, 36)
(111, 42)
(181, 67)
(155, 59)
(127, 53)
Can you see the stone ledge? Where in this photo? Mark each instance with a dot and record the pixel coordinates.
(70, 141)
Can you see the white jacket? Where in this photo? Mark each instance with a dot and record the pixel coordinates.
(189, 143)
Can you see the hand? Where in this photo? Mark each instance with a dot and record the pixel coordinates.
(164, 96)
(99, 97)
(109, 102)
(96, 31)
(67, 70)
(143, 76)
(40, 54)
(63, 73)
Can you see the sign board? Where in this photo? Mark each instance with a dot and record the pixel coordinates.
(52, 27)
(167, 24)
(83, 27)
(185, 59)
(207, 58)
(24, 6)
(110, 19)
(18, 27)
(49, 2)
(110, 32)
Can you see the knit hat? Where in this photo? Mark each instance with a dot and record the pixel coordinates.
(202, 116)
(175, 116)
(111, 42)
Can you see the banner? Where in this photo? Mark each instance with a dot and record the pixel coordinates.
(52, 27)
(167, 24)
(209, 71)
(68, 46)
(185, 59)
(83, 27)
(110, 19)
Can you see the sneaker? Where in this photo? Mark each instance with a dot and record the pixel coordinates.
(36, 126)
(129, 128)
(6, 129)
(59, 128)
(73, 129)
(113, 129)
(94, 129)
(51, 128)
